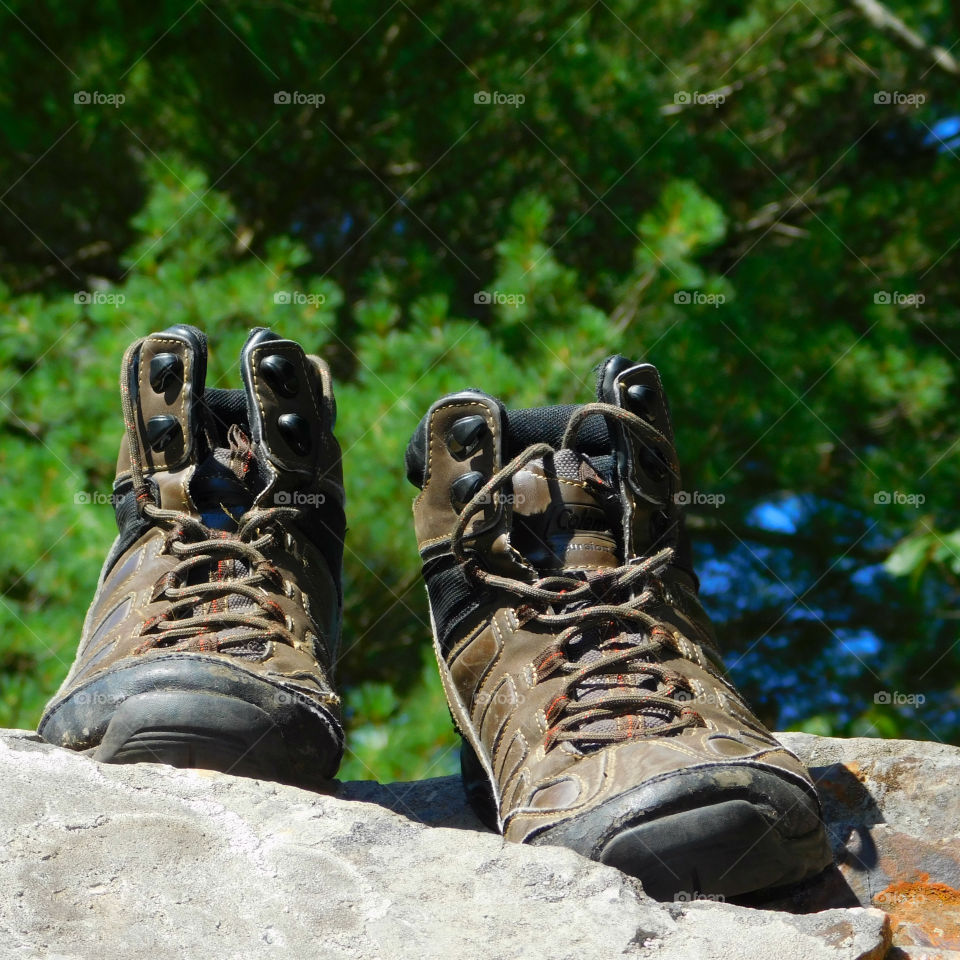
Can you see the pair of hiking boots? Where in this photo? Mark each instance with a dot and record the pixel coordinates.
(579, 667)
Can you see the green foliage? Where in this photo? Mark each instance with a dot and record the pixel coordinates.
(761, 250)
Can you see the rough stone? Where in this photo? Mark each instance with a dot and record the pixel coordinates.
(103, 861)
(893, 814)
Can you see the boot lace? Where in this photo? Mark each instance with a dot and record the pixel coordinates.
(617, 689)
(212, 553)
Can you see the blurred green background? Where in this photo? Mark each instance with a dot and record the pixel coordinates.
(761, 199)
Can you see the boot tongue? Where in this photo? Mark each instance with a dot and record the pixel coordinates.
(226, 482)
(565, 516)
(223, 488)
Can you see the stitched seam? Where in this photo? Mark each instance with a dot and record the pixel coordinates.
(498, 634)
(307, 381)
(752, 761)
(522, 778)
(503, 775)
(500, 735)
(144, 548)
(612, 753)
(604, 777)
(317, 708)
(570, 483)
(498, 637)
(463, 644)
(519, 770)
(549, 782)
(434, 438)
(498, 746)
(256, 393)
(433, 540)
(132, 597)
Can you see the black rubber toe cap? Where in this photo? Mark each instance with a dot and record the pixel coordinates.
(723, 830)
(197, 710)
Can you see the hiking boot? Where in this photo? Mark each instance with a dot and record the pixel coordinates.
(212, 636)
(579, 667)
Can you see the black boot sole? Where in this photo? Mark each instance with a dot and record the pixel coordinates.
(206, 730)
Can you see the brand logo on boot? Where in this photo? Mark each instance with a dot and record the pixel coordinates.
(580, 519)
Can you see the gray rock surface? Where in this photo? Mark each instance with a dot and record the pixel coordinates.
(104, 861)
(892, 809)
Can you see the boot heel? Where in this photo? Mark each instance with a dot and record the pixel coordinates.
(477, 787)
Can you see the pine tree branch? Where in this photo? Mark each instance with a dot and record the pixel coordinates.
(883, 19)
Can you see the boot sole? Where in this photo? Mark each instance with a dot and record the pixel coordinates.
(205, 730)
(692, 835)
(196, 711)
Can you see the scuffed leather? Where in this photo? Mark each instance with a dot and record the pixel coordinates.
(488, 670)
(309, 593)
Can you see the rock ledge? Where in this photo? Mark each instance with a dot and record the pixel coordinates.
(117, 861)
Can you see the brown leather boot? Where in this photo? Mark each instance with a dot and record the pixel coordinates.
(212, 636)
(578, 664)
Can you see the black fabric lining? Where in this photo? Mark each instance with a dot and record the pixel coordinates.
(130, 524)
(221, 410)
(229, 404)
(454, 599)
(522, 428)
(547, 425)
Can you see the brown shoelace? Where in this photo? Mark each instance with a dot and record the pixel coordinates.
(199, 546)
(627, 657)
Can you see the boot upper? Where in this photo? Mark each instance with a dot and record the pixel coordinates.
(229, 507)
(578, 662)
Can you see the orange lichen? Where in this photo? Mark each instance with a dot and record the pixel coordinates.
(935, 892)
(924, 913)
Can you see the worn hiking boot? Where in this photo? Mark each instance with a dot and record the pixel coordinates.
(578, 664)
(211, 639)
